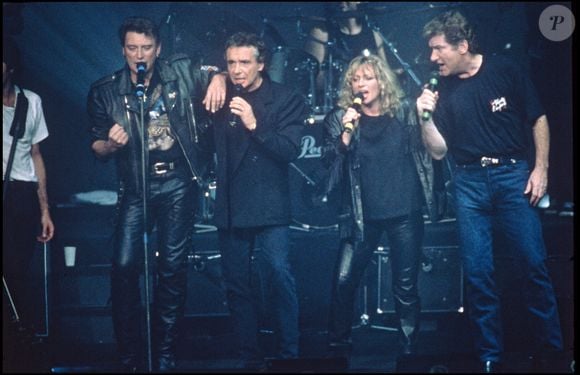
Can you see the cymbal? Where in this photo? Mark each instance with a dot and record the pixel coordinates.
(298, 18)
(212, 24)
(270, 32)
(360, 13)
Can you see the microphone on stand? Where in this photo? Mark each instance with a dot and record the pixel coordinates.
(356, 104)
(432, 85)
(140, 86)
(233, 120)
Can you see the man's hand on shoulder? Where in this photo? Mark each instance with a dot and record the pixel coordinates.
(216, 93)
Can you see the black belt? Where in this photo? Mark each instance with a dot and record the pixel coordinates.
(163, 167)
(488, 161)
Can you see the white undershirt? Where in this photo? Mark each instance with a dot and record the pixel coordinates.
(36, 131)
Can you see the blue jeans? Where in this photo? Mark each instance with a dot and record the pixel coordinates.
(489, 198)
(236, 247)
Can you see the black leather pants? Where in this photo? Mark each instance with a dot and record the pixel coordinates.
(405, 236)
(171, 208)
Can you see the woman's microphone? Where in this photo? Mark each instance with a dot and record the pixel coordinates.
(356, 104)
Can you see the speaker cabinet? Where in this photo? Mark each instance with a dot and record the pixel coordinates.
(205, 286)
(440, 282)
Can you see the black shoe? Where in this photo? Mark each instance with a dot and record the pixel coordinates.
(255, 365)
(129, 368)
(339, 350)
(489, 367)
(408, 349)
(166, 363)
(129, 365)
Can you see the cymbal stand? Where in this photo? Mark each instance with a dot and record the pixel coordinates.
(329, 78)
(312, 72)
(406, 67)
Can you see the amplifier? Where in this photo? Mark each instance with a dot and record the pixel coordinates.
(440, 282)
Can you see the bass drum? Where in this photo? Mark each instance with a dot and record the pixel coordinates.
(307, 174)
(295, 68)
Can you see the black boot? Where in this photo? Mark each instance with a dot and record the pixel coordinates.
(170, 304)
(408, 328)
(166, 359)
(129, 365)
(126, 312)
(166, 362)
(408, 345)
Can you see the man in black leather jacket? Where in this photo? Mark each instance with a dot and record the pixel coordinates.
(384, 177)
(171, 96)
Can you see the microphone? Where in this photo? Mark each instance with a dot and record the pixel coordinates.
(432, 85)
(233, 120)
(356, 104)
(140, 86)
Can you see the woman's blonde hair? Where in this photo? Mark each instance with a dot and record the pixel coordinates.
(390, 92)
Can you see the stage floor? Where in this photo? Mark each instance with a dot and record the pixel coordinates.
(206, 346)
(81, 338)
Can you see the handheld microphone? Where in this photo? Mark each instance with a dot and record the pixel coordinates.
(432, 85)
(140, 86)
(356, 104)
(233, 120)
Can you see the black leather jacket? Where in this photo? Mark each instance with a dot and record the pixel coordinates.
(344, 172)
(112, 100)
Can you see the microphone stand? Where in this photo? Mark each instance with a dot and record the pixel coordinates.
(406, 67)
(145, 194)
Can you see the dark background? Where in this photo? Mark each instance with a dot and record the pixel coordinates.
(67, 46)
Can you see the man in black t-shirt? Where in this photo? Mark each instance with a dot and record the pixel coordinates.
(483, 115)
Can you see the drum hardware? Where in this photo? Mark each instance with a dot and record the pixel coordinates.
(206, 204)
(310, 210)
(406, 67)
(296, 68)
(270, 30)
(298, 18)
(199, 261)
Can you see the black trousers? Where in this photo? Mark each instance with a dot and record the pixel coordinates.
(21, 225)
(170, 208)
(405, 236)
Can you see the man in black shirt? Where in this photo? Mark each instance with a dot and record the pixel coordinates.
(483, 114)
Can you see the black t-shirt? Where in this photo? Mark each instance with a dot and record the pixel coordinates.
(489, 114)
(350, 46)
(390, 185)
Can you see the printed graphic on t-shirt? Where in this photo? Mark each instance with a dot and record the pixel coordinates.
(160, 137)
(498, 105)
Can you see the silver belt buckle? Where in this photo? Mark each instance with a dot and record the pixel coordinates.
(157, 170)
(487, 161)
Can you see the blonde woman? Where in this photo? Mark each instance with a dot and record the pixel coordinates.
(384, 178)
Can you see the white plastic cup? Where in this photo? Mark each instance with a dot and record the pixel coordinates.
(70, 255)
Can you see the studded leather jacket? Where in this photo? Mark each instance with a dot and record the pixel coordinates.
(112, 100)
